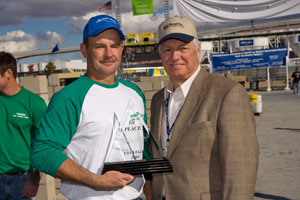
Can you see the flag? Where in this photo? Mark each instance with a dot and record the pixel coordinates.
(55, 48)
(106, 6)
(142, 7)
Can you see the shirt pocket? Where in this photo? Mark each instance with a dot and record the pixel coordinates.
(211, 195)
(203, 132)
(19, 120)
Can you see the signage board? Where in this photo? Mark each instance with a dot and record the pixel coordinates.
(249, 59)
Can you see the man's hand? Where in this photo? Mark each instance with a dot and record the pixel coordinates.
(71, 171)
(32, 185)
(148, 189)
(112, 180)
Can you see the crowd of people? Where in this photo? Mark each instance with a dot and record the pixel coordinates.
(201, 123)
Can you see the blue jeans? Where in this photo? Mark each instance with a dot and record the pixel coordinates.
(11, 186)
(296, 87)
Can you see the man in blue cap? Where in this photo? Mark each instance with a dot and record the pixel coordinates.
(79, 130)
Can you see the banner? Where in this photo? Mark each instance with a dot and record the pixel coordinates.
(142, 7)
(158, 72)
(249, 59)
(233, 10)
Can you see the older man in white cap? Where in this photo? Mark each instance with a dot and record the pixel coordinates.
(203, 123)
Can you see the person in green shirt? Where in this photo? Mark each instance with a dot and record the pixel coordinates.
(20, 115)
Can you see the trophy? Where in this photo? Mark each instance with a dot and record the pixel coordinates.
(125, 151)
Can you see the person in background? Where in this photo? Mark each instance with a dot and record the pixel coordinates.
(296, 79)
(77, 128)
(203, 123)
(20, 115)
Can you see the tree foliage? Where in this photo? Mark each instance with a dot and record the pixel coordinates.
(50, 67)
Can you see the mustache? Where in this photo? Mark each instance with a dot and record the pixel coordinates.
(108, 60)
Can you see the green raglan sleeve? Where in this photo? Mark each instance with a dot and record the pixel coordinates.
(38, 108)
(56, 130)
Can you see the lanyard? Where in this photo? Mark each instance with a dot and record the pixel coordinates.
(169, 130)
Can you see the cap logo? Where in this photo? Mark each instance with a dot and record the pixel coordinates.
(105, 19)
(176, 24)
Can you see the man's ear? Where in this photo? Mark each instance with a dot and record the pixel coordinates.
(83, 49)
(199, 50)
(122, 46)
(9, 73)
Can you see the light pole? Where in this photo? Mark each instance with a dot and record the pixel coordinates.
(118, 11)
(166, 9)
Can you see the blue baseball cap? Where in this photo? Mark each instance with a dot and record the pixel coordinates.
(100, 23)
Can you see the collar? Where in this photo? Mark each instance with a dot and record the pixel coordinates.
(184, 88)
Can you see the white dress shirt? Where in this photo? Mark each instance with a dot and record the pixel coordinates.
(175, 103)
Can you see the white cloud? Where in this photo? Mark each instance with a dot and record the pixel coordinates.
(18, 41)
(48, 39)
(78, 12)
(129, 23)
(140, 23)
(18, 11)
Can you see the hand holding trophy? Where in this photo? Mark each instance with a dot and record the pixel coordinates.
(125, 152)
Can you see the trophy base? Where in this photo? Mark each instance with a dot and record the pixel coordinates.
(135, 167)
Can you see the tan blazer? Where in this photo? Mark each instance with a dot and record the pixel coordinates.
(213, 148)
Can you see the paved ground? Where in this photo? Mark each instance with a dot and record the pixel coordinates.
(278, 132)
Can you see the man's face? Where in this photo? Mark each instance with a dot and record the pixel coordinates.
(180, 59)
(103, 54)
(3, 81)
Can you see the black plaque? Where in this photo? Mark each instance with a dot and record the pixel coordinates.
(135, 167)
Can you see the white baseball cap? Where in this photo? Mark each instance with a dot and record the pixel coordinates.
(181, 28)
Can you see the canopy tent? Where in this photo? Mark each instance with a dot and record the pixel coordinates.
(232, 10)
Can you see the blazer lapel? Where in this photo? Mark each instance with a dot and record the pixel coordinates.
(158, 121)
(189, 108)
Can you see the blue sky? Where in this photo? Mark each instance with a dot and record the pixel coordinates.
(40, 24)
(38, 28)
